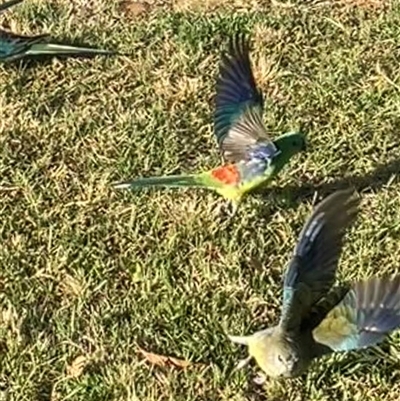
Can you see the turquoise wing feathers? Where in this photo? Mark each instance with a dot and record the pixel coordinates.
(14, 46)
(369, 311)
(238, 124)
(311, 272)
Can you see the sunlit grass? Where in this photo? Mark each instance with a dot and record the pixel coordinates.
(89, 274)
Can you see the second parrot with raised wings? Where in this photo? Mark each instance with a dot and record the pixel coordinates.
(316, 318)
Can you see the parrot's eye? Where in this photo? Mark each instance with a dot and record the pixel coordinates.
(280, 359)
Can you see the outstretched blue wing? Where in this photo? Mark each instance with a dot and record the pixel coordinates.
(369, 311)
(312, 270)
(238, 125)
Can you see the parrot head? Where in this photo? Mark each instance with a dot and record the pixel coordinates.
(273, 353)
(290, 144)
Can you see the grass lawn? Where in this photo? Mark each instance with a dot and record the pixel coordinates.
(90, 276)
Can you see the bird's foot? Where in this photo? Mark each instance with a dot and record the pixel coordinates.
(226, 209)
(232, 209)
(217, 209)
(260, 379)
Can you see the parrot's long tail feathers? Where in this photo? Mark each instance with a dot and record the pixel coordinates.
(52, 49)
(166, 181)
(9, 4)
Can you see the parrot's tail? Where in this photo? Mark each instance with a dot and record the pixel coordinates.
(9, 4)
(53, 49)
(166, 181)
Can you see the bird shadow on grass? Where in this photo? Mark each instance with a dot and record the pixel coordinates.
(372, 181)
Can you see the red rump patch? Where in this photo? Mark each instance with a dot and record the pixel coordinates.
(227, 174)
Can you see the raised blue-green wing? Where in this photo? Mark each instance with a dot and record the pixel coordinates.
(312, 270)
(238, 124)
(368, 312)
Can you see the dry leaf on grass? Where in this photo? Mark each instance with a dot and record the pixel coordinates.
(77, 366)
(161, 360)
(71, 287)
(134, 8)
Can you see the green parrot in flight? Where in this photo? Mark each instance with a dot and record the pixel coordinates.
(317, 319)
(15, 47)
(252, 159)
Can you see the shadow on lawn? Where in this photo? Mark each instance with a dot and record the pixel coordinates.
(374, 180)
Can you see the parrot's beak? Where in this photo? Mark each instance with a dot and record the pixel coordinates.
(239, 340)
(292, 364)
(243, 341)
